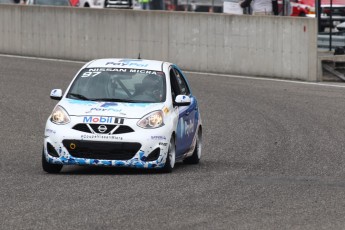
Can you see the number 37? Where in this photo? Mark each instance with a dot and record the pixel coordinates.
(90, 74)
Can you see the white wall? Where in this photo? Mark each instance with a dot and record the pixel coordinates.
(282, 47)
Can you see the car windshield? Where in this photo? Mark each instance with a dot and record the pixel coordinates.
(119, 85)
(53, 2)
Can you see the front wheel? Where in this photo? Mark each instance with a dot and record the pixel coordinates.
(170, 161)
(195, 158)
(50, 168)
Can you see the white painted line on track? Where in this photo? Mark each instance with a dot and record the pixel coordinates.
(337, 85)
(341, 85)
(42, 59)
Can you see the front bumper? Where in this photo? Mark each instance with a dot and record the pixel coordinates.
(141, 148)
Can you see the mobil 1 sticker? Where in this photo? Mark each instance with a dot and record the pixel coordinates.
(102, 120)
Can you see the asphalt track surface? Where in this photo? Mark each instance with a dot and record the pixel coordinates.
(273, 158)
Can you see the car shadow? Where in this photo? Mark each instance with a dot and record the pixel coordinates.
(103, 170)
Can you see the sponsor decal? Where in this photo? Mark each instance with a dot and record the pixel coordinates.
(105, 120)
(95, 136)
(93, 72)
(185, 128)
(142, 71)
(104, 109)
(116, 63)
(51, 131)
(115, 107)
(158, 138)
(180, 129)
(163, 144)
(189, 128)
(131, 60)
(107, 70)
(130, 63)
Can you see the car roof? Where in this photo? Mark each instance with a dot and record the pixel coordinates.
(126, 63)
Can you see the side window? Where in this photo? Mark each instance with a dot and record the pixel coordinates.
(174, 85)
(184, 90)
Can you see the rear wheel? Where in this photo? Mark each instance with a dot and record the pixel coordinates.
(170, 161)
(195, 158)
(50, 168)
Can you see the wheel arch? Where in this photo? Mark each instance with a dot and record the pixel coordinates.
(174, 135)
(199, 130)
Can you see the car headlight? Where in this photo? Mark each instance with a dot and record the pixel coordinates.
(59, 116)
(152, 120)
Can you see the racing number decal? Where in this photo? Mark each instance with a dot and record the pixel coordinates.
(90, 74)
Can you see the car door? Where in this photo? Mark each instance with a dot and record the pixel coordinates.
(188, 117)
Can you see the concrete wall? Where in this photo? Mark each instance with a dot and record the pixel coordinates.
(269, 46)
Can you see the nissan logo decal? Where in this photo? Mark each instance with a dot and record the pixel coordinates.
(102, 128)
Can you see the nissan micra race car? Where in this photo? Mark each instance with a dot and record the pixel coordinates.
(124, 113)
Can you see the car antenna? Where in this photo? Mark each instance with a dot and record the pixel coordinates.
(139, 56)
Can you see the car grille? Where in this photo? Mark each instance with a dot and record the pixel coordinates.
(82, 128)
(101, 150)
(103, 129)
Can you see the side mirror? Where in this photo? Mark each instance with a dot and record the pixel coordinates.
(182, 100)
(56, 94)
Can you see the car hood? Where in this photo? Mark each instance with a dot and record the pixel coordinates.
(116, 109)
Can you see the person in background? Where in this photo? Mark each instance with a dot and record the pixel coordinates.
(145, 4)
(259, 7)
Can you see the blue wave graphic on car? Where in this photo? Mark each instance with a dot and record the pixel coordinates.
(109, 104)
(81, 102)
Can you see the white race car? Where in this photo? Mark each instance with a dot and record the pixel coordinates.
(124, 112)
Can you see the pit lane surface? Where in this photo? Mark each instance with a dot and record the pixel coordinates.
(273, 158)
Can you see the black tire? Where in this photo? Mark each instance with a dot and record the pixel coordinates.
(195, 158)
(168, 167)
(50, 168)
